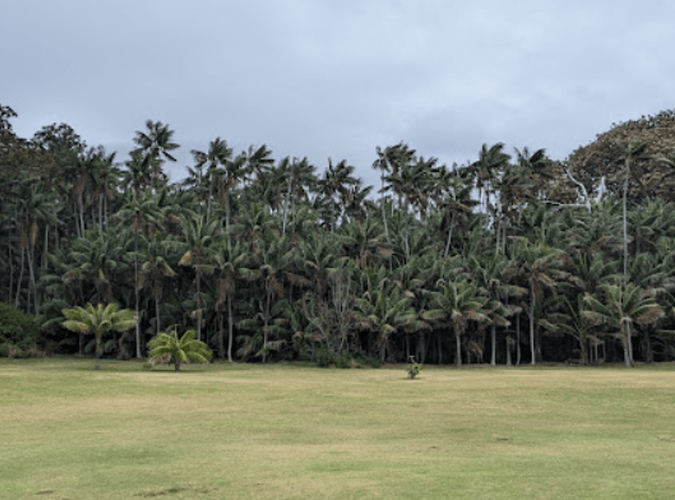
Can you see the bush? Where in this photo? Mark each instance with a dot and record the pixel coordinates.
(19, 333)
(371, 361)
(325, 357)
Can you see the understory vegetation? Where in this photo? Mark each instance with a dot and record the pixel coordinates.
(509, 259)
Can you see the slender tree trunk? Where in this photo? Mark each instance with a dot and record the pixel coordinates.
(286, 201)
(158, 319)
(138, 323)
(31, 277)
(628, 346)
(532, 349)
(97, 354)
(518, 352)
(268, 302)
(458, 347)
(230, 333)
(493, 339)
(221, 336)
(625, 226)
(199, 307)
(440, 349)
(18, 283)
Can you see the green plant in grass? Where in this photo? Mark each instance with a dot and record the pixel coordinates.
(413, 368)
(167, 347)
(99, 320)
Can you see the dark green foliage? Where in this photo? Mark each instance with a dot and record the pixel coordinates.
(19, 333)
(270, 261)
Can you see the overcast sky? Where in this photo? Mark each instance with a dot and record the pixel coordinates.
(337, 78)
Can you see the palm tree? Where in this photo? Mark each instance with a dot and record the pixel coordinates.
(142, 213)
(460, 302)
(230, 266)
(156, 269)
(336, 181)
(224, 173)
(571, 321)
(495, 275)
(299, 178)
(539, 267)
(200, 238)
(99, 320)
(623, 306)
(271, 268)
(453, 199)
(365, 242)
(33, 207)
(181, 350)
(155, 146)
(491, 161)
(383, 310)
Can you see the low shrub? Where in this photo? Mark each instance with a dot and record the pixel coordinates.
(19, 333)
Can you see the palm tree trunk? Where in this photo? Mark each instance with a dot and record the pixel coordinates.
(18, 283)
(221, 335)
(157, 317)
(625, 228)
(532, 362)
(458, 347)
(268, 303)
(493, 338)
(628, 346)
(138, 323)
(199, 307)
(518, 353)
(230, 333)
(97, 354)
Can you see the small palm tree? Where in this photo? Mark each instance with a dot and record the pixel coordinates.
(181, 350)
(99, 320)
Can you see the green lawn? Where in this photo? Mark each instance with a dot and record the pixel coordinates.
(289, 431)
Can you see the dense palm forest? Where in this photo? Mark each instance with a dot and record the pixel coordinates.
(510, 259)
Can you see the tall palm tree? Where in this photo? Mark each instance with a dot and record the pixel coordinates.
(199, 242)
(495, 275)
(539, 266)
(99, 320)
(141, 213)
(230, 267)
(300, 179)
(33, 207)
(334, 186)
(217, 160)
(155, 146)
(491, 161)
(156, 268)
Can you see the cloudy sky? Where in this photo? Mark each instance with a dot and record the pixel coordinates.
(336, 78)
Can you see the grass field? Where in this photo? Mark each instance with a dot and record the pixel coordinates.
(289, 431)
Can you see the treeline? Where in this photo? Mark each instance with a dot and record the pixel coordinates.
(513, 258)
